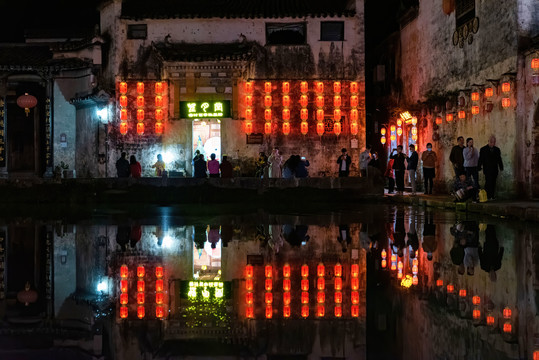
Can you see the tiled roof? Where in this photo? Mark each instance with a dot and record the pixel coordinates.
(29, 57)
(204, 52)
(186, 9)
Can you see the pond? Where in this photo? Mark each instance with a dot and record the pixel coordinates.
(366, 282)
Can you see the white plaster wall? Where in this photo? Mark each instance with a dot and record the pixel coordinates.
(63, 123)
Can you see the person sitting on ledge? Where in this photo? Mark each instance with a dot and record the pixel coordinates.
(464, 189)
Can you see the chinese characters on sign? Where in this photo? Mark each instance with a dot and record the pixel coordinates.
(204, 109)
(48, 144)
(2, 133)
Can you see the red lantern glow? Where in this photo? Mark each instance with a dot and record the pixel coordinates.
(159, 285)
(303, 114)
(124, 271)
(475, 96)
(337, 114)
(354, 101)
(507, 313)
(123, 286)
(355, 297)
(249, 114)
(159, 312)
(303, 100)
(140, 114)
(392, 137)
(286, 100)
(267, 101)
(286, 298)
(383, 140)
(338, 311)
(140, 128)
(462, 292)
(319, 101)
(320, 115)
(305, 270)
(354, 310)
(392, 128)
(304, 285)
(140, 87)
(268, 271)
(399, 275)
(337, 128)
(354, 128)
(304, 297)
(124, 311)
(123, 101)
(320, 310)
(267, 114)
(490, 320)
(248, 87)
(158, 114)
(535, 66)
(475, 110)
(476, 314)
(321, 297)
(337, 270)
(140, 285)
(507, 328)
(158, 87)
(286, 311)
(286, 270)
(462, 114)
(268, 298)
(354, 87)
(338, 283)
(286, 87)
(506, 87)
(286, 284)
(415, 280)
(321, 283)
(489, 92)
(267, 87)
(248, 100)
(506, 102)
(123, 298)
(354, 115)
(384, 261)
(158, 101)
(383, 131)
(140, 271)
(320, 128)
(269, 311)
(123, 115)
(305, 311)
(123, 87)
(304, 127)
(337, 101)
(354, 270)
(286, 128)
(319, 86)
(141, 312)
(248, 127)
(140, 101)
(337, 87)
(304, 86)
(354, 283)
(267, 128)
(476, 300)
(268, 284)
(159, 297)
(249, 284)
(449, 117)
(450, 289)
(320, 270)
(249, 312)
(249, 298)
(338, 297)
(140, 298)
(439, 282)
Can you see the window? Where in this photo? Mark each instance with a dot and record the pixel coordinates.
(285, 34)
(139, 31)
(332, 31)
(464, 11)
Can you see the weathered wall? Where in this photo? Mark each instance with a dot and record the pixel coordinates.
(64, 123)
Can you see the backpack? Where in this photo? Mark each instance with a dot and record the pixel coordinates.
(482, 195)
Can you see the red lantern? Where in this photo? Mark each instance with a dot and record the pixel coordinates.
(267, 101)
(304, 86)
(286, 87)
(304, 270)
(249, 114)
(248, 127)
(249, 87)
(321, 283)
(384, 261)
(267, 114)
(399, 131)
(354, 270)
(267, 87)
(507, 328)
(159, 312)
(158, 101)
(354, 283)
(249, 298)
(319, 86)
(506, 87)
(123, 101)
(123, 298)
(321, 297)
(354, 128)
(304, 128)
(507, 313)
(286, 270)
(123, 87)
(438, 120)
(354, 101)
(286, 128)
(320, 128)
(159, 271)
(354, 115)
(475, 96)
(248, 100)
(383, 140)
(140, 298)
(475, 110)
(268, 271)
(354, 310)
(249, 284)
(159, 298)
(355, 297)
(123, 286)
(158, 114)
(337, 101)
(140, 87)
(267, 128)
(476, 300)
(320, 310)
(158, 87)
(286, 284)
(140, 271)
(337, 128)
(338, 297)
(305, 311)
(392, 137)
(286, 311)
(286, 101)
(319, 101)
(535, 63)
(304, 297)
(249, 313)
(337, 270)
(506, 102)
(320, 270)
(450, 288)
(338, 311)
(286, 114)
(415, 280)
(268, 284)
(320, 115)
(462, 114)
(140, 285)
(337, 114)
(490, 320)
(140, 101)
(26, 102)
(337, 87)
(123, 115)
(305, 285)
(354, 87)
(159, 285)
(124, 271)
(249, 271)
(338, 283)
(476, 314)
(286, 298)
(489, 92)
(383, 131)
(140, 128)
(439, 282)
(141, 312)
(449, 117)
(124, 312)
(303, 100)
(140, 114)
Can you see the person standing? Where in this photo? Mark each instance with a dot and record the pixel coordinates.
(275, 160)
(429, 163)
(213, 167)
(301, 167)
(490, 159)
(200, 167)
(398, 166)
(456, 157)
(135, 168)
(159, 166)
(471, 158)
(122, 166)
(364, 159)
(344, 163)
(413, 159)
(225, 167)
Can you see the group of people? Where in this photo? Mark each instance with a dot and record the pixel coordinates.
(132, 168)
(273, 166)
(467, 161)
(212, 167)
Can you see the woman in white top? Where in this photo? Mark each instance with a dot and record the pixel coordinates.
(275, 160)
(471, 158)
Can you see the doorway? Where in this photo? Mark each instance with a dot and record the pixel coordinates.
(207, 137)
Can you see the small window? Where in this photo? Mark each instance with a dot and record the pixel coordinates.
(285, 34)
(464, 11)
(332, 31)
(139, 31)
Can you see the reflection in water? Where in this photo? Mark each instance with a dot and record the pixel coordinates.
(271, 285)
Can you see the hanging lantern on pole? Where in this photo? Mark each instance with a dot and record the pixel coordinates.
(26, 102)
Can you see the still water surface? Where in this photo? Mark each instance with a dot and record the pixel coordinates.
(375, 282)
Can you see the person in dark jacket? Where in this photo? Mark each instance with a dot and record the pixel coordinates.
(456, 157)
(122, 166)
(399, 167)
(491, 254)
(344, 162)
(490, 159)
(200, 167)
(301, 167)
(412, 166)
(226, 167)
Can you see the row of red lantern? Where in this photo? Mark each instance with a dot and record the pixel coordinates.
(140, 113)
(304, 128)
(304, 87)
(141, 296)
(268, 295)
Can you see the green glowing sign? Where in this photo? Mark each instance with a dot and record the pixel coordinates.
(205, 109)
(205, 290)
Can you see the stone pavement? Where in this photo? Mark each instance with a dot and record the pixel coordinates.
(527, 210)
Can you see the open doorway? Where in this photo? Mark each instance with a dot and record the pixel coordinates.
(207, 137)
